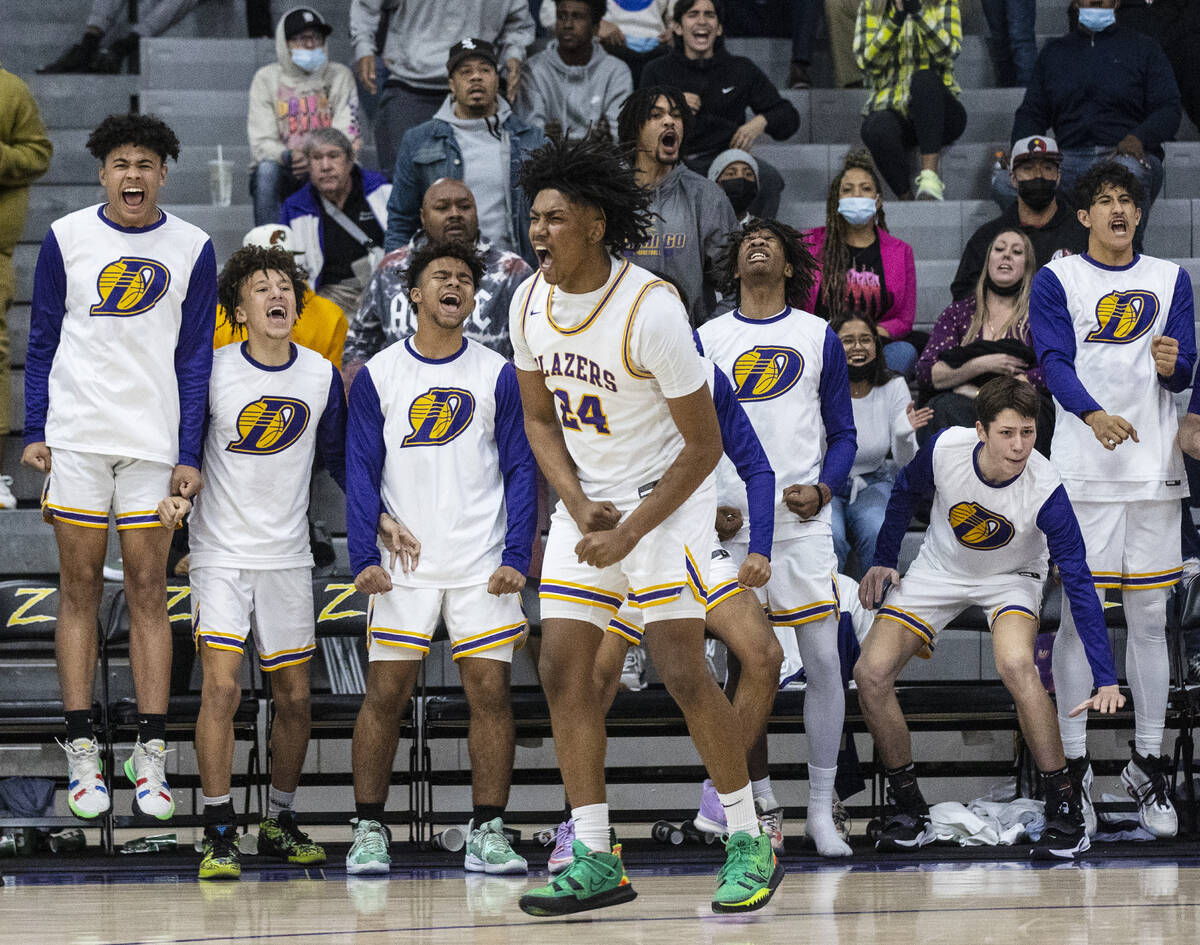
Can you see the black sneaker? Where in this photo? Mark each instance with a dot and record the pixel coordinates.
(799, 76)
(1065, 834)
(1080, 770)
(281, 839)
(904, 830)
(111, 60)
(78, 58)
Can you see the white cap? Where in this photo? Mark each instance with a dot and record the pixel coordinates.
(272, 236)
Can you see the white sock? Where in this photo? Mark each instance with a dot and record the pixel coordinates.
(591, 826)
(825, 698)
(1072, 682)
(740, 816)
(216, 801)
(819, 826)
(278, 801)
(764, 796)
(1148, 666)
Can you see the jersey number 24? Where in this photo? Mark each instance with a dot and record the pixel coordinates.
(589, 412)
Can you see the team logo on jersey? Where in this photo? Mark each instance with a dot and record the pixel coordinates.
(980, 528)
(438, 416)
(130, 286)
(1124, 316)
(765, 372)
(270, 425)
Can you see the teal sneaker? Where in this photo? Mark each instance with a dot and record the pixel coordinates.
(750, 874)
(369, 851)
(488, 850)
(593, 880)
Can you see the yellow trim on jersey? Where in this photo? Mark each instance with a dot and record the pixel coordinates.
(726, 591)
(587, 322)
(913, 624)
(132, 525)
(67, 508)
(625, 359)
(528, 299)
(504, 641)
(699, 590)
(580, 599)
(625, 630)
(828, 609)
(488, 633)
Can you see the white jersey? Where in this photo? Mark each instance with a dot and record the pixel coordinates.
(612, 359)
(265, 426)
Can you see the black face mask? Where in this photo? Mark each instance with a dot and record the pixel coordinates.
(1037, 193)
(861, 372)
(741, 194)
(1003, 290)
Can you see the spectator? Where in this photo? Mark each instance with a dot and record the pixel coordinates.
(840, 17)
(573, 84)
(288, 99)
(338, 218)
(1101, 87)
(155, 18)
(321, 327)
(886, 421)
(907, 50)
(412, 53)
(386, 314)
(719, 88)
(691, 214)
(736, 172)
(1176, 26)
(985, 336)
(864, 269)
(799, 18)
(1048, 220)
(25, 151)
(635, 31)
(1012, 40)
(475, 137)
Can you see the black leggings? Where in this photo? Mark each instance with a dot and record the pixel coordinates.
(935, 119)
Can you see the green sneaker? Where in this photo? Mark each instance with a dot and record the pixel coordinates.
(279, 837)
(750, 874)
(488, 850)
(593, 880)
(221, 859)
(369, 851)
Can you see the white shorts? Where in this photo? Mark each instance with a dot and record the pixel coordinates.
(401, 623)
(665, 576)
(83, 487)
(224, 600)
(1131, 545)
(925, 601)
(722, 581)
(803, 584)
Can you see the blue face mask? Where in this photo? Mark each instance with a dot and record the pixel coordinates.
(310, 60)
(1096, 19)
(857, 210)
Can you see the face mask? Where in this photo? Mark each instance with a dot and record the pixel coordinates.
(1096, 19)
(741, 194)
(857, 210)
(861, 372)
(1037, 193)
(309, 60)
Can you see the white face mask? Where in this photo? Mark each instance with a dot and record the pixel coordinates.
(857, 210)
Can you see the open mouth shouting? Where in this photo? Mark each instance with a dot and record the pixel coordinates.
(544, 257)
(277, 315)
(133, 198)
(1119, 225)
(451, 301)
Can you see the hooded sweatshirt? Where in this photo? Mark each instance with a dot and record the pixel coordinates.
(574, 96)
(286, 103)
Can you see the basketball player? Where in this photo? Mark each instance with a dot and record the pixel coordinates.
(272, 407)
(116, 376)
(1114, 332)
(998, 509)
(436, 439)
(788, 370)
(623, 427)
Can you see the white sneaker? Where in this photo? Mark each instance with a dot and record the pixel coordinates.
(146, 768)
(7, 499)
(771, 822)
(1145, 778)
(87, 795)
(633, 671)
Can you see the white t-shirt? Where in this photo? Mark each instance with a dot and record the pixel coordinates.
(881, 422)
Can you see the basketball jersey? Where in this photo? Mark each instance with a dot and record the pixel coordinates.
(611, 358)
(789, 374)
(1093, 326)
(120, 343)
(439, 444)
(265, 425)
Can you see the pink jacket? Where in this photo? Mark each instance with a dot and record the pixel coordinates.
(899, 275)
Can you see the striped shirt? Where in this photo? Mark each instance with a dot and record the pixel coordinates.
(890, 51)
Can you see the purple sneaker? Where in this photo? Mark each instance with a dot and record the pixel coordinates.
(710, 818)
(562, 857)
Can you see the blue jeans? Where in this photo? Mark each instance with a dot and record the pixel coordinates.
(270, 185)
(901, 357)
(856, 524)
(1012, 42)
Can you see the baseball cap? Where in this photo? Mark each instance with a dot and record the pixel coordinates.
(1035, 146)
(464, 49)
(273, 236)
(303, 18)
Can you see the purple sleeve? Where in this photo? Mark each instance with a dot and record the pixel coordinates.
(913, 483)
(194, 353)
(45, 328)
(519, 471)
(837, 413)
(365, 452)
(1181, 325)
(744, 449)
(1054, 342)
(331, 431)
(1057, 521)
(947, 333)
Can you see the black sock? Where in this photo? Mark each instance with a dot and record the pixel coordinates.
(91, 42)
(483, 813)
(906, 793)
(151, 727)
(369, 812)
(218, 815)
(79, 724)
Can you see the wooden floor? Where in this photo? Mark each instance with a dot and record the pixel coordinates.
(1135, 902)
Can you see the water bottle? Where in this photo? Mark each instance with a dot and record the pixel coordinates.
(666, 832)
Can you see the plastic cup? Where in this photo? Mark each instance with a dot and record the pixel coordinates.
(220, 182)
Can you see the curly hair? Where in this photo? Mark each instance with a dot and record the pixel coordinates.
(245, 263)
(141, 131)
(804, 267)
(835, 254)
(596, 7)
(881, 373)
(1107, 174)
(635, 112)
(420, 260)
(594, 173)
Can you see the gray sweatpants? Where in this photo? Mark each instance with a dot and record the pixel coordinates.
(155, 16)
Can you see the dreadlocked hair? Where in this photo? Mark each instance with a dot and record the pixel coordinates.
(595, 173)
(635, 112)
(835, 254)
(804, 268)
(245, 263)
(141, 131)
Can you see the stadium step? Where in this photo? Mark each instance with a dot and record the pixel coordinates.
(68, 101)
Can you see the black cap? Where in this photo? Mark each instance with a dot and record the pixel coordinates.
(464, 49)
(304, 18)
